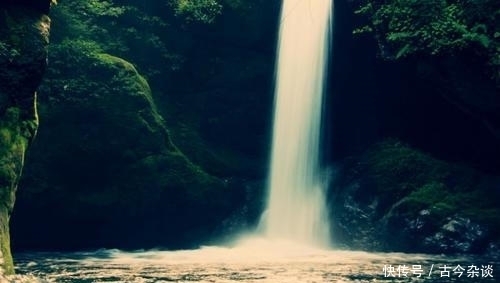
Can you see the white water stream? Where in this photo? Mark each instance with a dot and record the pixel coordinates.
(296, 203)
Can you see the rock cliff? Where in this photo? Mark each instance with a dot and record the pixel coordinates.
(24, 38)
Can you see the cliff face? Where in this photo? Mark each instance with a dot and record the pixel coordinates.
(24, 32)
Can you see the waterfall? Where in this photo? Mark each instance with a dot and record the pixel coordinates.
(296, 208)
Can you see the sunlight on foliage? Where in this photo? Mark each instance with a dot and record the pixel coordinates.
(204, 11)
(122, 30)
(408, 27)
(104, 8)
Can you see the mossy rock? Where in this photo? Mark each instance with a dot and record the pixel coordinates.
(104, 171)
(398, 169)
(416, 202)
(24, 32)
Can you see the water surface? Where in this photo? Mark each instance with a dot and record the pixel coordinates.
(253, 261)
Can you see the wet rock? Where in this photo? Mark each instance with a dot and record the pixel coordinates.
(354, 220)
(24, 38)
(395, 198)
(457, 235)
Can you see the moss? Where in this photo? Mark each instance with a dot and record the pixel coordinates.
(5, 255)
(24, 37)
(204, 11)
(433, 197)
(127, 74)
(104, 157)
(13, 145)
(398, 169)
(429, 194)
(412, 185)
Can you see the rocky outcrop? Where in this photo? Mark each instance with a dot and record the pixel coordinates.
(103, 171)
(397, 198)
(24, 33)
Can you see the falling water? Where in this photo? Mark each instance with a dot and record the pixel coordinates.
(296, 204)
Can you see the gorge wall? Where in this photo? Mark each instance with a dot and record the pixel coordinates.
(24, 38)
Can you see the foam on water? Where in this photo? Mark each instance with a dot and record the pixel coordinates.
(252, 260)
(246, 250)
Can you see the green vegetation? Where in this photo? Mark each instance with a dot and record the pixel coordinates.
(12, 148)
(454, 47)
(398, 198)
(409, 181)
(103, 149)
(23, 54)
(197, 10)
(400, 169)
(435, 27)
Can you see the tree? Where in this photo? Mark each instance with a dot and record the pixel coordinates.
(435, 27)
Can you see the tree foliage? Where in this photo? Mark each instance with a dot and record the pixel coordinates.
(435, 27)
(204, 11)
